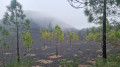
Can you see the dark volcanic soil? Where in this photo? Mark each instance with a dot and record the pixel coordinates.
(45, 57)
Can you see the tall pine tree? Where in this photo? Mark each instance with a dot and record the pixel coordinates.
(15, 19)
(99, 10)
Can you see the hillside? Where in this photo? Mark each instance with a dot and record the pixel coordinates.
(41, 21)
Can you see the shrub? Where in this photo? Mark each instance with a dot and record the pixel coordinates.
(26, 63)
(111, 61)
(73, 63)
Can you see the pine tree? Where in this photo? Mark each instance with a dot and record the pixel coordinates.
(71, 38)
(28, 41)
(44, 36)
(113, 34)
(3, 39)
(58, 36)
(99, 10)
(50, 27)
(50, 36)
(15, 19)
(75, 37)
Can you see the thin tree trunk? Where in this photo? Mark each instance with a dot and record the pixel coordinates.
(3, 60)
(70, 43)
(18, 55)
(28, 54)
(104, 31)
(44, 43)
(50, 42)
(56, 50)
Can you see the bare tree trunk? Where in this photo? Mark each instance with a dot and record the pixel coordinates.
(56, 50)
(2, 56)
(50, 42)
(57, 47)
(18, 55)
(104, 31)
(44, 43)
(70, 43)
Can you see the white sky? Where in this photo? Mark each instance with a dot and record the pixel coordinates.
(59, 9)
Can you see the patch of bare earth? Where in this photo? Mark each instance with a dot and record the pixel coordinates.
(7, 53)
(54, 56)
(99, 55)
(75, 55)
(84, 65)
(37, 66)
(44, 48)
(31, 55)
(50, 53)
(80, 51)
(45, 61)
(91, 61)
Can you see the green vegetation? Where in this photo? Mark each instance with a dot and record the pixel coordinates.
(50, 28)
(75, 37)
(28, 41)
(111, 61)
(25, 63)
(44, 36)
(50, 36)
(15, 18)
(4, 37)
(15, 24)
(97, 12)
(113, 34)
(73, 63)
(72, 37)
(58, 36)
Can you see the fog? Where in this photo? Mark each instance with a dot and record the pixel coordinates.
(55, 9)
(45, 20)
(42, 22)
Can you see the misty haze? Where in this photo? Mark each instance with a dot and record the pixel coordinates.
(64, 33)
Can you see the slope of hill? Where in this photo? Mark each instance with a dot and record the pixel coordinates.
(43, 22)
(38, 21)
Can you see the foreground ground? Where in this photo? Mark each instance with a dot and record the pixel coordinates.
(45, 57)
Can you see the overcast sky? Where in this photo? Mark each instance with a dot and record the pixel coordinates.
(59, 9)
